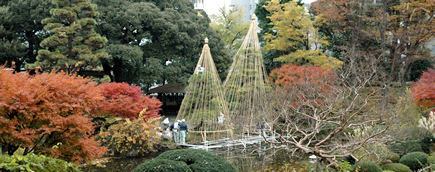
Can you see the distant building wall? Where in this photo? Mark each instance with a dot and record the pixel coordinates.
(198, 4)
(430, 44)
(247, 5)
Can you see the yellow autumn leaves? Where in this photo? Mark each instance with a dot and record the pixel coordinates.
(138, 134)
(294, 32)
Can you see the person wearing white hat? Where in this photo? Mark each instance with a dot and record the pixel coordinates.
(183, 131)
(175, 130)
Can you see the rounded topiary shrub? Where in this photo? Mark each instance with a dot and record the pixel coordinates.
(199, 160)
(366, 166)
(397, 167)
(414, 160)
(32, 162)
(162, 165)
(394, 157)
(431, 159)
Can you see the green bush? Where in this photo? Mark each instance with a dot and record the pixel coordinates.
(162, 165)
(411, 139)
(366, 166)
(431, 160)
(397, 167)
(394, 157)
(414, 160)
(199, 160)
(32, 162)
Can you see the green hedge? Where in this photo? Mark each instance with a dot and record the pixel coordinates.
(162, 165)
(199, 160)
(32, 162)
(397, 167)
(366, 166)
(414, 160)
(431, 160)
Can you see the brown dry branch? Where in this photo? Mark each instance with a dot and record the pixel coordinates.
(330, 124)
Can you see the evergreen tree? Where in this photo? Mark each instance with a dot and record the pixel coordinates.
(73, 45)
(21, 30)
(170, 34)
(230, 26)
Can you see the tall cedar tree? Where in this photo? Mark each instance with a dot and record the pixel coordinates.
(124, 100)
(294, 33)
(21, 30)
(48, 113)
(73, 45)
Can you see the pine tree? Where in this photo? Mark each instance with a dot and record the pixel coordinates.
(204, 106)
(245, 85)
(74, 44)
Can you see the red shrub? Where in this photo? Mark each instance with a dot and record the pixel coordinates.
(423, 90)
(307, 84)
(48, 113)
(124, 100)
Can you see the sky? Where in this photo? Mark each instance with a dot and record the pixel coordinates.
(308, 1)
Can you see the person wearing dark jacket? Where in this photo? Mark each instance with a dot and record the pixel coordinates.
(183, 131)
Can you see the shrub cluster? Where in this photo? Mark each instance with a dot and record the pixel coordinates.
(132, 137)
(414, 160)
(366, 166)
(431, 160)
(417, 139)
(196, 160)
(32, 162)
(162, 165)
(397, 167)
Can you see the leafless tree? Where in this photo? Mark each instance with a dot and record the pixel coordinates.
(333, 123)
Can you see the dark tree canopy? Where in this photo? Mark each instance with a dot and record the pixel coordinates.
(21, 30)
(170, 34)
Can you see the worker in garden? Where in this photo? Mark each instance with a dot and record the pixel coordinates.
(175, 128)
(261, 127)
(183, 128)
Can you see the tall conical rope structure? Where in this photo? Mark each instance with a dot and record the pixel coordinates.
(245, 85)
(204, 107)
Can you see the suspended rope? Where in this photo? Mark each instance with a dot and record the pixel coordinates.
(204, 107)
(245, 85)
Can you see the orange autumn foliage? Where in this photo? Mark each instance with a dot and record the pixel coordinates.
(48, 113)
(423, 90)
(306, 84)
(124, 100)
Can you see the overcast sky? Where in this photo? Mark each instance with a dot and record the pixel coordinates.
(308, 1)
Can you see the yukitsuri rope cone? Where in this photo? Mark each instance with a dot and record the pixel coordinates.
(204, 107)
(245, 85)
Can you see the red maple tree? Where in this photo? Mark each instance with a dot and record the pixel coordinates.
(307, 84)
(124, 100)
(48, 113)
(423, 90)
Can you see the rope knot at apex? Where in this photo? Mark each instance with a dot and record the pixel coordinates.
(206, 40)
